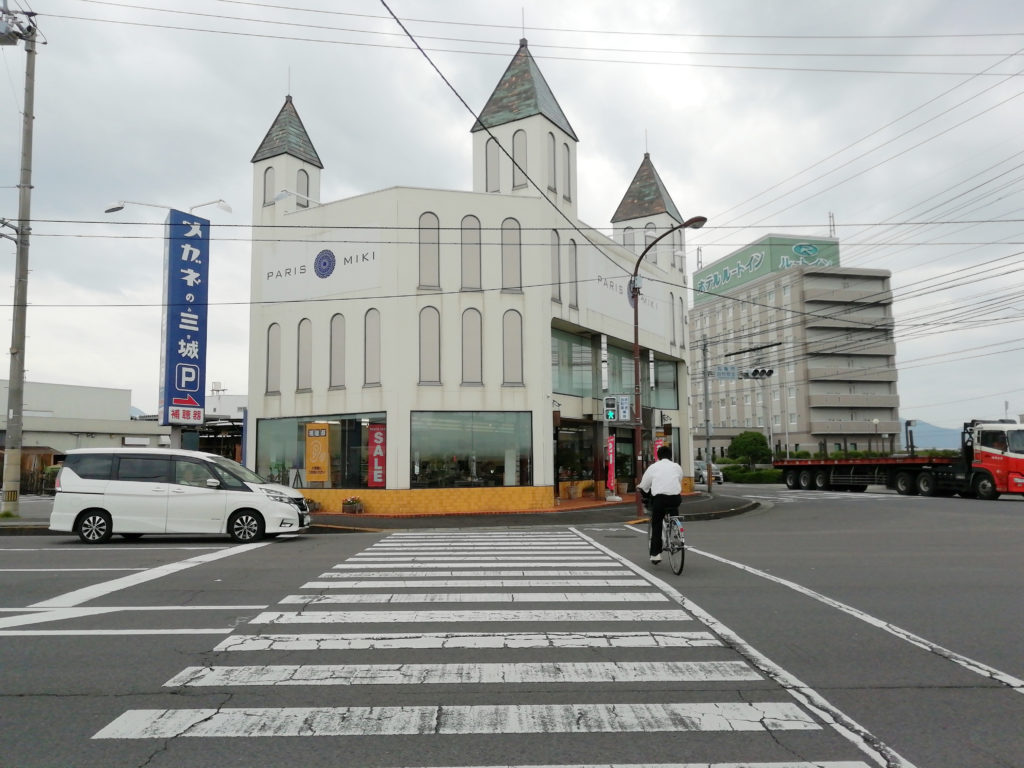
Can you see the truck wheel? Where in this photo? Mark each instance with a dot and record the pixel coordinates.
(821, 482)
(806, 480)
(985, 487)
(792, 480)
(905, 484)
(926, 484)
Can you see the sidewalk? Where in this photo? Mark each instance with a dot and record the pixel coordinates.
(35, 515)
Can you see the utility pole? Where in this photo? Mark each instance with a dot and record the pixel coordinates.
(707, 415)
(12, 30)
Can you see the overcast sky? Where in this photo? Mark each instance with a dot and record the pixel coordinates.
(901, 120)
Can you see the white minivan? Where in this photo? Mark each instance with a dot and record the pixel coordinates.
(137, 491)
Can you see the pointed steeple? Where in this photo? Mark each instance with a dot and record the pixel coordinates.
(646, 196)
(522, 92)
(287, 136)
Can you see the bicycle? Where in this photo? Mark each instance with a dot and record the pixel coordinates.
(673, 537)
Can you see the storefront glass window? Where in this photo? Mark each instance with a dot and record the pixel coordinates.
(575, 453)
(456, 449)
(666, 393)
(572, 369)
(281, 449)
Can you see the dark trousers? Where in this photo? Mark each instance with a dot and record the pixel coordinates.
(660, 506)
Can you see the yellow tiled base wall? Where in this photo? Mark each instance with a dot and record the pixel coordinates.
(435, 501)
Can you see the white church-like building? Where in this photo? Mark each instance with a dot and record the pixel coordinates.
(442, 351)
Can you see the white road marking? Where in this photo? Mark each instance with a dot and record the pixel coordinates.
(843, 724)
(466, 640)
(443, 583)
(64, 570)
(977, 667)
(613, 570)
(41, 615)
(399, 560)
(399, 617)
(479, 597)
(99, 590)
(126, 548)
(111, 632)
(744, 764)
(471, 673)
(462, 565)
(442, 720)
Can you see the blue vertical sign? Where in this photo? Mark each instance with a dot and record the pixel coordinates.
(186, 291)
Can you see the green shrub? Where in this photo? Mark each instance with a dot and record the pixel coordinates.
(739, 474)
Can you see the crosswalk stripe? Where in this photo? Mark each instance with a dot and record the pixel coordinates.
(429, 574)
(441, 720)
(443, 583)
(467, 674)
(466, 640)
(462, 565)
(744, 764)
(365, 558)
(405, 617)
(479, 597)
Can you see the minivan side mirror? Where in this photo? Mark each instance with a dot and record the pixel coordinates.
(212, 482)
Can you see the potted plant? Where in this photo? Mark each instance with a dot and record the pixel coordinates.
(353, 505)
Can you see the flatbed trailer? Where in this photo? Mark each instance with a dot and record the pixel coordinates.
(991, 462)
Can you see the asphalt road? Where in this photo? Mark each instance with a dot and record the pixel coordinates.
(821, 629)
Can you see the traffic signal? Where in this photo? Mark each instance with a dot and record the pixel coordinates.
(758, 373)
(609, 409)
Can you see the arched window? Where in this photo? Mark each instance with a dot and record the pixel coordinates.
(567, 173)
(430, 346)
(552, 163)
(304, 356)
(302, 187)
(672, 317)
(556, 267)
(371, 348)
(512, 347)
(650, 233)
(678, 250)
(268, 186)
(574, 275)
(337, 351)
(511, 256)
(274, 359)
(472, 347)
(682, 322)
(471, 254)
(430, 275)
(519, 156)
(629, 240)
(492, 156)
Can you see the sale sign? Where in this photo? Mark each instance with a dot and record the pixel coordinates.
(377, 455)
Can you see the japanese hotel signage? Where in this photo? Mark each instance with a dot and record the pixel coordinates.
(186, 291)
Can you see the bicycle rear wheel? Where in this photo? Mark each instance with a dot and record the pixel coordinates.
(676, 546)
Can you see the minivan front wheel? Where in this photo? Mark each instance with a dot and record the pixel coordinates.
(95, 527)
(246, 526)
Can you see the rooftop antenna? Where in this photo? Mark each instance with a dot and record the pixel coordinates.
(522, 12)
(831, 224)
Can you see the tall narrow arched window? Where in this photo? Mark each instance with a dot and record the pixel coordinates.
(574, 275)
(556, 266)
(519, 156)
(629, 239)
(672, 317)
(492, 155)
(552, 163)
(567, 172)
(304, 356)
(268, 186)
(650, 233)
(682, 322)
(430, 346)
(337, 351)
(511, 256)
(302, 187)
(472, 347)
(471, 254)
(430, 251)
(679, 250)
(512, 347)
(274, 359)
(371, 348)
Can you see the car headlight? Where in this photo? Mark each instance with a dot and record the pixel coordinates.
(278, 496)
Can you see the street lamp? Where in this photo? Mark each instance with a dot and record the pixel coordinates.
(875, 422)
(634, 293)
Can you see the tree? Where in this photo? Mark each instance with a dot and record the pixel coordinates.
(751, 447)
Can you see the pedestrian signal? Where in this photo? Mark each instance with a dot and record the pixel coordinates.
(610, 412)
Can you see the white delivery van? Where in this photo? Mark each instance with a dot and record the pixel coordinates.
(138, 491)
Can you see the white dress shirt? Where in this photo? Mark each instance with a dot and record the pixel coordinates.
(663, 478)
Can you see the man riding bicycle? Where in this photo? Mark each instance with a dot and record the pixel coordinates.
(664, 481)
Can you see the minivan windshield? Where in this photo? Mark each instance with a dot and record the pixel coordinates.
(236, 469)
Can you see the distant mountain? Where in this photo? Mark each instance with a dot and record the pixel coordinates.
(929, 436)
